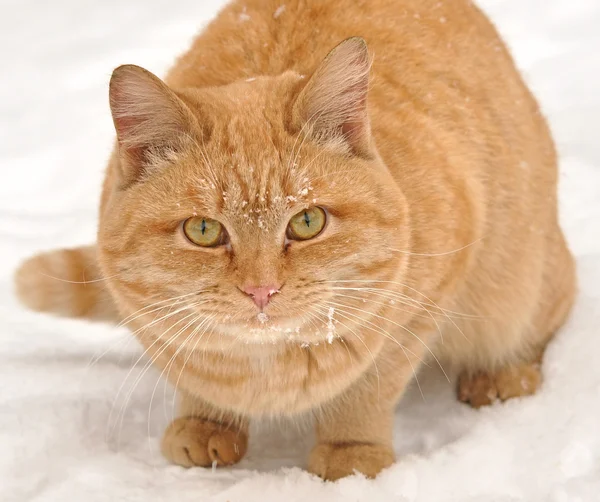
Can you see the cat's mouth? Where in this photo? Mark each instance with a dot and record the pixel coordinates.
(264, 328)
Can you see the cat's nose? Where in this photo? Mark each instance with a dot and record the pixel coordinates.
(261, 294)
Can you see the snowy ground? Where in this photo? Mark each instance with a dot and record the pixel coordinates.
(58, 438)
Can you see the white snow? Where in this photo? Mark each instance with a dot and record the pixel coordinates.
(280, 10)
(330, 325)
(243, 16)
(55, 438)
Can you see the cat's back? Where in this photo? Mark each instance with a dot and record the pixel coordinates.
(442, 80)
(258, 37)
(439, 61)
(268, 37)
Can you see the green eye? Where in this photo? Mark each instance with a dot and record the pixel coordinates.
(204, 231)
(306, 224)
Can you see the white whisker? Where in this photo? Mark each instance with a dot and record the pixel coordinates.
(146, 367)
(445, 253)
(394, 307)
(389, 336)
(358, 337)
(143, 354)
(206, 323)
(398, 325)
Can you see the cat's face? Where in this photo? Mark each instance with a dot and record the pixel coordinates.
(219, 228)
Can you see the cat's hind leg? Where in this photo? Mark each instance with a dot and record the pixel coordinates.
(483, 388)
(523, 377)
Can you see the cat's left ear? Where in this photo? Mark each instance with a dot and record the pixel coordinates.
(333, 104)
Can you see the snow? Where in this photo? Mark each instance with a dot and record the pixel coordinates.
(59, 378)
(330, 325)
(244, 16)
(280, 10)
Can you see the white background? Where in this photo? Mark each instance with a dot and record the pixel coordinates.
(62, 434)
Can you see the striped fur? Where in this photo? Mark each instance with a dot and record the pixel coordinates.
(65, 282)
(438, 175)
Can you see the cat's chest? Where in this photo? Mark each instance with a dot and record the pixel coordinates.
(291, 381)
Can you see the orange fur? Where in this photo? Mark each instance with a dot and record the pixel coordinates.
(442, 238)
(67, 282)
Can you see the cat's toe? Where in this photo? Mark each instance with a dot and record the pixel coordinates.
(191, 441)
(482, 388)
(516, 381)
(333, 461)
(478, 389)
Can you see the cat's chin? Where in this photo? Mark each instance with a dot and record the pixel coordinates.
(263, 329)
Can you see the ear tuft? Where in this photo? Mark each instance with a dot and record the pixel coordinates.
(148, 116)
(334, 101)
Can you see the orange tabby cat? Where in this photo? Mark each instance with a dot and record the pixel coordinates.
(290, 228)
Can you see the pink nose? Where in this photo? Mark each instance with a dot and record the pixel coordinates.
(261, 294)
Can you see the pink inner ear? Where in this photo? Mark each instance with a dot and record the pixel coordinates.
(353, 107)
(335, 98)
(352, 131)
(147, 115)
(125, 126)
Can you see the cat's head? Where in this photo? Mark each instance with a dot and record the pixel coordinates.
(259, 211)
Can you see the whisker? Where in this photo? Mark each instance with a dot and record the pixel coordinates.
(428, 299)
(387, 305)
(445, 253)
(309, 123)
(128, 338)
(212, 173)
(207, 323)
(401, 327)
(143, 355)
(312, 318)
(291, 163)
(358, 337)
(168, 366)
(400, 298)
(94, 360)
(92, 281)
(314, 159)
(146, 367)
(388, 335)
(174, 299)
(365, 323)
(432, 304)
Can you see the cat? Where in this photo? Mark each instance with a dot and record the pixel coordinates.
(318, 199)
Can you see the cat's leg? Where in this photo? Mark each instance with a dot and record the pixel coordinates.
(481, 388)
(354, 431)
(523, 377)
(203, 436)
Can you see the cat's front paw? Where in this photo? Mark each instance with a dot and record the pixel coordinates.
(333, 461)
(191, 441)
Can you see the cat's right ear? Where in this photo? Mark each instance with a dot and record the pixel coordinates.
(149, 118)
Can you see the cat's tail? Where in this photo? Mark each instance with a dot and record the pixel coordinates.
(66, 282)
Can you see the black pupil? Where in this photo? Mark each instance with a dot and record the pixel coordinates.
(203, 227)
(306, 219)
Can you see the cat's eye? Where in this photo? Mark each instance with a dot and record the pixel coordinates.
(204, 232)
(306, 224)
